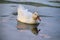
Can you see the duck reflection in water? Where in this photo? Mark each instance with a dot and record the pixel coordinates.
(33, 28)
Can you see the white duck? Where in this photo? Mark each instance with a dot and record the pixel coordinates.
(26, 16)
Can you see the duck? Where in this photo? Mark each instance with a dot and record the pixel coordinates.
(26, 16)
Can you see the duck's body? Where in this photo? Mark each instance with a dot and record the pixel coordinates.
(25, 16)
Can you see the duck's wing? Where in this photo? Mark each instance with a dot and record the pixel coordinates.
(24, 12)
(28, 14)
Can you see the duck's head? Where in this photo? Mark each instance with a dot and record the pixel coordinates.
(35, 16)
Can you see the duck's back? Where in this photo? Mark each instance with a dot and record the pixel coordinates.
(23, 11)
(24, 14)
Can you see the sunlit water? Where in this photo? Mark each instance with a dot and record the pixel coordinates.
(11, 29)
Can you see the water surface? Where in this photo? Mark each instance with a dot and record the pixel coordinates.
(11, 29)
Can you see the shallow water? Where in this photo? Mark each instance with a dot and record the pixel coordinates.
(11, 29)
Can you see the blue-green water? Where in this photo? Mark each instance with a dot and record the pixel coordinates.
(11, 29)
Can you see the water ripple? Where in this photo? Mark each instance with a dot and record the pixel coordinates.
(30, 3)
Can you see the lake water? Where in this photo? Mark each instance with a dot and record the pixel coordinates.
(11, 29)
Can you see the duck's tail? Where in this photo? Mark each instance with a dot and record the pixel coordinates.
(21, 7)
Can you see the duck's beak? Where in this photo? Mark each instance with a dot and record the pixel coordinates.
(39, 18)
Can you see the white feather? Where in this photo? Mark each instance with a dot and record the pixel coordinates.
(24, 15)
